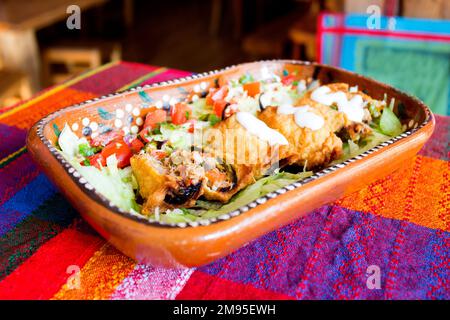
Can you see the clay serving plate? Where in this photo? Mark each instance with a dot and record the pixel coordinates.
(198, 243)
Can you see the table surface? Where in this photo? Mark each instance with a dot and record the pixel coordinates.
(397, 227)
(37, 14)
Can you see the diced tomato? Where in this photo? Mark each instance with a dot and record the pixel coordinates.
(288, 80)
(152, 120)
(136, 145)
(219, 106)
(148, 110)
(121, 150)
(216, 94)
(209, 99)
(192, 123)
(97, 160)
(155, 117)
(158, 154)
(105, 138)
(180, 113)
(252, 88)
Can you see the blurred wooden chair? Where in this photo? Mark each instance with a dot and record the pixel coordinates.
(14, 87)
(302, 33)
(303, 37)
(63, 61)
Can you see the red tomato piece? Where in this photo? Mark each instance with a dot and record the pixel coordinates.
(136, 145)
(219, 106)
(180, 113)
(105, 138)
(252, 88)
(121, 150)
(288, 80)
(155, 117)
(216, 94)
(97, 160)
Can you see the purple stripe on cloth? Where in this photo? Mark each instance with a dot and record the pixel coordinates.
(332, 252)
(168, 75)
(112, 79)
(149, 283)
(24, 202)
(16, 175)
(282, 272)
(439, 144)
(11, 139)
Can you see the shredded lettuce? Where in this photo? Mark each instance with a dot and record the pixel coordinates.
(178, 136)
(117, 185)
(389, 123)
(69, 142)
(175, 216)
(254, 191)
(113, 183)
(351, 149)
(200, 109)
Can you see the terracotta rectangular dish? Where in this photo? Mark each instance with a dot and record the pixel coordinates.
(199, 243)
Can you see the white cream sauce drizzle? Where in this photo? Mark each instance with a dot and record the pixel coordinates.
(306, 119)
(303, 117)
(353, 108)
(258, 128)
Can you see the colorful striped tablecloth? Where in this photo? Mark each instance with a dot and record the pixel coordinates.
(390, 240)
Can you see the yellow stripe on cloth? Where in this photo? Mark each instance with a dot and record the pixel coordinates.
(99, 277)
(56, 89)
(143, 78)
(12, 155)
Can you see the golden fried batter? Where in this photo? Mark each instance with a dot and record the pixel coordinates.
(249, 156)
(153, 181)
(338, 121)
(306, 147)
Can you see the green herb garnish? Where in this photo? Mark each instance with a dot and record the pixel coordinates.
(213, 119)
(246, 78)
(86, 150)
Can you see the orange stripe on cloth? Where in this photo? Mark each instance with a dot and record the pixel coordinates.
(25, 118)
(99, 277)
(418, 192)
